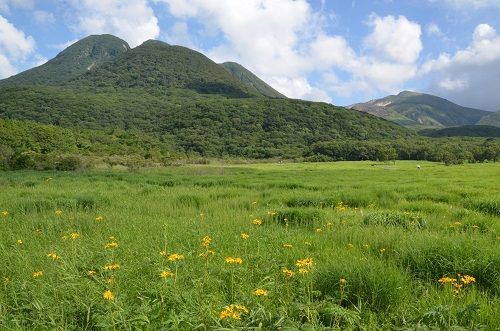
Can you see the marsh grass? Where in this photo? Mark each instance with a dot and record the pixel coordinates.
(390, 234)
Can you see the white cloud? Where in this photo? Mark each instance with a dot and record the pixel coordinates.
(43, 17)
(132, 20)
(467, 4)
(6, 5)
(283, 42)
(434, 30)
(395, 39)
(472, 74)
(15, 46)
(6, 68)
(453, 84)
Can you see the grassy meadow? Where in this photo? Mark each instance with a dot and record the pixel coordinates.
(343, 246)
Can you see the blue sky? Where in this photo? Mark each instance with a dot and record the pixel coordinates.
(338, 51)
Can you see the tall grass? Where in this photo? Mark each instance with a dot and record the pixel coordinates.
(390, 235)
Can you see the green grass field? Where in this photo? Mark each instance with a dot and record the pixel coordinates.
(347, 246)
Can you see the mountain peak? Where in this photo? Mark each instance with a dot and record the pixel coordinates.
(78, 58)
(154, 42)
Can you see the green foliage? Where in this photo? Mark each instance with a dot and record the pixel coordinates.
(390, 272)
(390, 218)
(463, 131)
(369, 282)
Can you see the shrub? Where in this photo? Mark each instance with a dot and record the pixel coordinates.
(393, 218)
(299, 216)
(369, 282)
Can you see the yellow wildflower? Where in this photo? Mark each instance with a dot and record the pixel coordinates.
(19, 242)
(233, 311)
(343, 282)
(349, 245)
(111, 245)
(244, 236)
(466, 279)
(174, 257)
(5, 213)
(64, 237)
(206, 254)
(271, 213)
(91, 272)
(257, 221)
(288, 273)
(166, 274)
(205, 241)
(108, 295)
(260, 292)
(58, 212)
(340, 206)
(234, 260)
(446, 280)
(99, 218)
(112, 266)
(303, 271)
(475, 227)
(287, 245)
(366, 246)
(53, 256)
(74, 235)
(304, 263)
(319, 230)
(455, 224)
(37, 274)
(307, 243)
(382, 250)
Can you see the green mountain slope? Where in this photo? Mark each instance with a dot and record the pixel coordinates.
(157, 65)
(252, 81)
(463, 131)
(490, 119)
(75, 60)
(206, 124)
(418, 110)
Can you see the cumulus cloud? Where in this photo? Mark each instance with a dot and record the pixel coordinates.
(132, 20)
(395, 39)
(43, 17)
(15, 47)
(283, 42)
(434, 30)
(471, 74)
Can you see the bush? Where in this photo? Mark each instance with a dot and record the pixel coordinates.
(69, 163)
(369, 282)
(299, 216)
(391, 218)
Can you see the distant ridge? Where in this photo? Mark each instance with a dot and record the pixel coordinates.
(419, 110)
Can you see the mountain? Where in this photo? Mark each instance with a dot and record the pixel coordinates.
(419, 110)
(490, 119)
(158, 65)
(486, 131)
(75, 60)
(178, 96)
(253, 82)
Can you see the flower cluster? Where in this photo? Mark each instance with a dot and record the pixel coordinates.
(234, 260)
(304, 265)
(233, 311)
(458, 283)
(53, 256)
